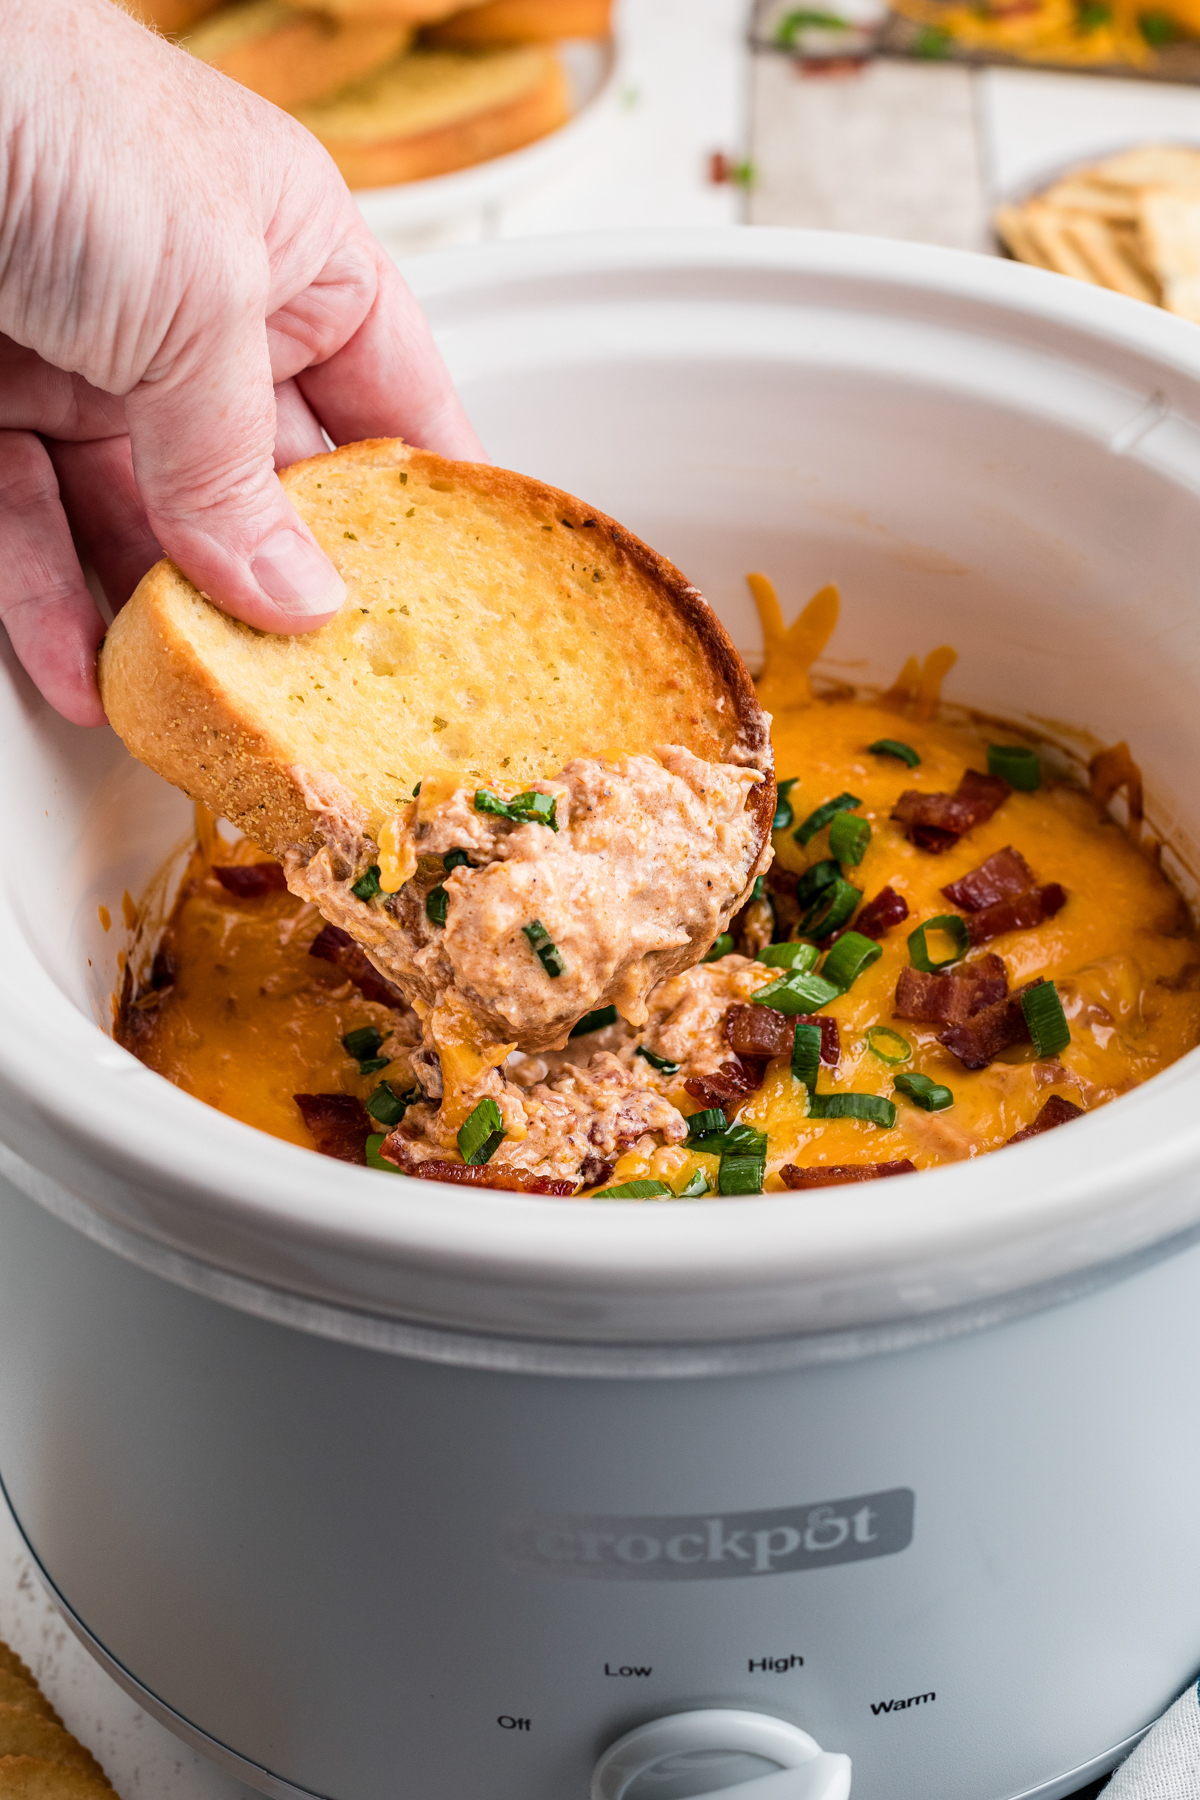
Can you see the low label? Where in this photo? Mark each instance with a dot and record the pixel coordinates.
(713, 1546)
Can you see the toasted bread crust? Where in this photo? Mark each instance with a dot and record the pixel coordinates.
(524, 22)
(643, 660)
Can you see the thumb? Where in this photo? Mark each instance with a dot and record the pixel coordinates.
(203, 434)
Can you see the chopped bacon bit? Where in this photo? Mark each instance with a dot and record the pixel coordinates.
(1019, 914)
(831, 1041)
(162, 971)
(1004, 874)
(759, 1031)
(336, 946)
(339, 1125)
(595, 1171)
(727, 1086)
(1057, 1111)
(936, 821)
(947, 999)
(481, 1175)
(249, 881)
(837, 1174)
(978, 1040)
(878, 916)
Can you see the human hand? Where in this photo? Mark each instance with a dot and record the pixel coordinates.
(187, 296)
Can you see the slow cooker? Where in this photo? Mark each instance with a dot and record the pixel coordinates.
(371, 1487)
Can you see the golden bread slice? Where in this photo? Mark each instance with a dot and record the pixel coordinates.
(36, 1778)
(24, 1733)
(435, 111)
(398, 12)
(16, 1690)
(294, 58)
(11, 1664)
(524, 22)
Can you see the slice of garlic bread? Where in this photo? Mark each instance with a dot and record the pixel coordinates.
(290, 58)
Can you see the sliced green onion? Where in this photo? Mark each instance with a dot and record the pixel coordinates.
(1020, 766)
(1046, 1019)
(849, 837)
(661, 1063)
(703, 1124)
(367, 886)
(363, 1042)
(888, 1045)
(741, 1175)
(481, 1133)
(793, 955)
(930, 1095)
(893, 747)
(388, 1106)
(456, 859)
(437, 905)
(815, 880)
(548, 953)
(756, 892)
(797, 993)
(871, 1107)
(635, 1190)
(954, 926)
(817, 820)
(523, 809)
(732, 1140)
(695, 1187)
(722, 946)
(835, 908)
(373, 1064)
(374, 1160)
(849, 957)
(806, 1054)
(784, 815)
(595, 1021)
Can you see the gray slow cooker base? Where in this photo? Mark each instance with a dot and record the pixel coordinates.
(263, 1782)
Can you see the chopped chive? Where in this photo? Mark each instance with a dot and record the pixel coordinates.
(529, 808)
(888, 1045)
(636, 1190)
(835, 907)
(595, 1021)
(741, 1175)
(893, 747)
(806, 1054)
(784, 816)
(1019, 766)
(796, 993)
(954, 926)
(849, 957)
(695, 1187)
(817, 820)
(367, 886)
(871, 1107)
(1044, 1015)
(481, 1133)
(456, 859)
(374, 1160)
(849, 837)
(417, 791)
(548, 953)
(388, 1106)
(733, 1140)
(792, 955)
(702, 1124)
(931, 1096)
(815, 880)
(437, 904)
(362, 1042)
(373, 1064)
(756, 892)
(722, 946)
(661, 1063)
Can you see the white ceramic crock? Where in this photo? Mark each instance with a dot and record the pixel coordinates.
(340, 1471)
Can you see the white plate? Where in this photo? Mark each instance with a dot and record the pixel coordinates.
(593, 69)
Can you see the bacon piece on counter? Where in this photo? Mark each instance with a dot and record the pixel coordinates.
(1004, 874)
(1021, 913)
(948, 999)
(339, 1125)
(336, 946)
(879, 915)
(760, 1031)
(977, 1041)
(1056, 1111)
(729, 1085)
(936, 821)
(480, 1175)
(250, 881)
(837, 1174)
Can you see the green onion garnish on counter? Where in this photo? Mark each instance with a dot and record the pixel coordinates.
(388, 1106)
(661, 1063)
(793, 955)
(1046, 1019)
(955, 928)
(930, 1095)
(784, 816)
(548, 953)
(849, 957)
(817, 820)
(374, 1160)
(1020, 766)
(362, 1043)
(636, 1190)
(367, 886)
(437, 904)
(529, 808)
(722, 946)
(888, 1045)
(806, 1054)
(595, 1021)
(481, 1133)
(849, 837)
(893, 747)
(871, 1107)
(796, 993)
(695, 1187)
(835, 907)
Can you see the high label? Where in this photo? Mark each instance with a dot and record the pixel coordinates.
(712, 1546)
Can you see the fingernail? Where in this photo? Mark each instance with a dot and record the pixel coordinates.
(297, 575)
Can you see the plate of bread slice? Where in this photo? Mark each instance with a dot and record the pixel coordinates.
(428, 107)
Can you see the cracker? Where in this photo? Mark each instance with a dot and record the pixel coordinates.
(1148, 165)
(1049, 228)
(1013, 228)
(1170, 230)
(1099, 245)
(1079, 195)
(28, 1734)
(33, 1778)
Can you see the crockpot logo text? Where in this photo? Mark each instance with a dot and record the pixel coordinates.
(712, 1547)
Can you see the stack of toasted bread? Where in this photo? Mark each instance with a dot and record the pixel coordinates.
(39, 1759)
(396, 90)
